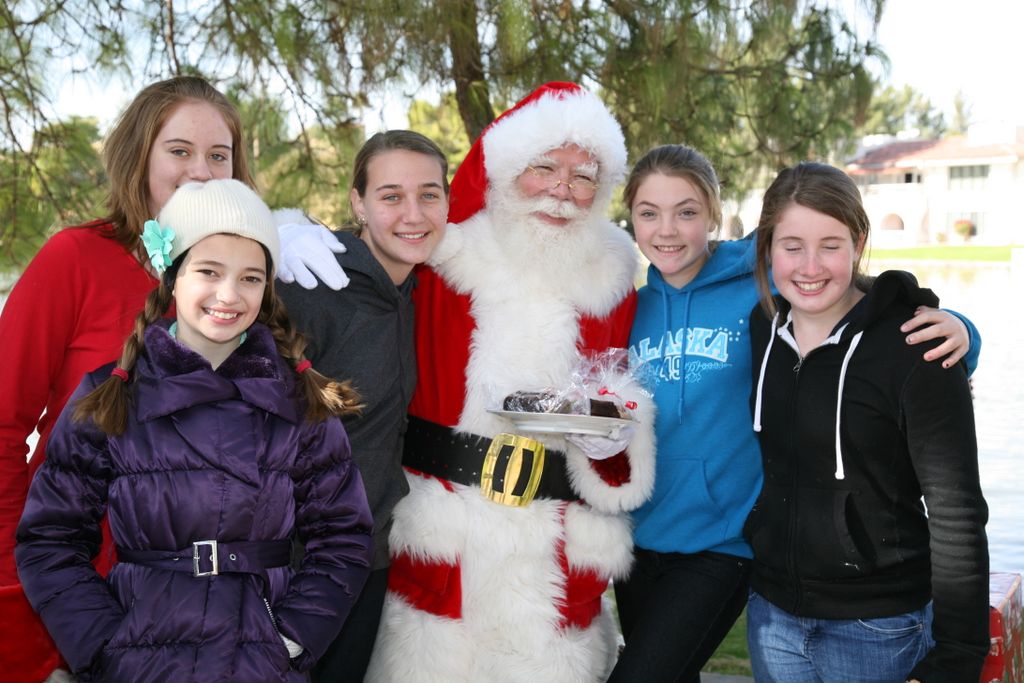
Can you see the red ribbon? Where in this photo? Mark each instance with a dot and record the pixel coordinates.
(605, 391)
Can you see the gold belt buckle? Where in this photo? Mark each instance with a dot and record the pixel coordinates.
(517, 463)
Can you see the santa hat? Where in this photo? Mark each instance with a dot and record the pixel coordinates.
(553, 115)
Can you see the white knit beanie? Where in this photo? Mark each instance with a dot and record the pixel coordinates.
(198, 210)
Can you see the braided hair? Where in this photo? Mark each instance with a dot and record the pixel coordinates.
(107, 404)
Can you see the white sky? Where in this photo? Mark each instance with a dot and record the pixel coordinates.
(936, 46)
(941, 46)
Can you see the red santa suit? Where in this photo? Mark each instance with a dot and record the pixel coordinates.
(482, 590)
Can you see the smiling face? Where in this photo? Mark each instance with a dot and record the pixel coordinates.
(672, 221)
(545, 184)
(218, 293)
(404, 209)
(194, 145)
(813, 259)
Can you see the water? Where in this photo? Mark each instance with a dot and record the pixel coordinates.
(990, 295)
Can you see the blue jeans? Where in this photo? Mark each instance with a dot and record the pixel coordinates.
(788, 649)
(674, 610)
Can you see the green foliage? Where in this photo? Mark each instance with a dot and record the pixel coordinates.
(965, 228)
(310, 171)
(756, 87)
(441, 124)
(897, 109)
(755, 84)
(58, 182)
(961, 114)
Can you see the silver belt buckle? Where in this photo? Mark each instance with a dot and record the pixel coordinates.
(213, 558)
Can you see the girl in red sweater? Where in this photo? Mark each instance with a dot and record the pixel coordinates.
(76, 302)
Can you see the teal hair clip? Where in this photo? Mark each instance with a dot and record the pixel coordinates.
(158, 241)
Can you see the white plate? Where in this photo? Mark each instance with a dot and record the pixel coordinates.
(560, 423)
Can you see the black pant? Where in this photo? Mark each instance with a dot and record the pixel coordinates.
(348, 656)
(675, 610)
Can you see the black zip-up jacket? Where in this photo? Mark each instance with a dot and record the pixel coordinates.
(844, 535)
(364, 333)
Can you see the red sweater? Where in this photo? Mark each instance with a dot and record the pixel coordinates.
(69, 313)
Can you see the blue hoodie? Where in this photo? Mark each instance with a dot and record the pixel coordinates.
(709, 464)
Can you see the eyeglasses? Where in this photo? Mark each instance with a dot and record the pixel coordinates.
(581, 188)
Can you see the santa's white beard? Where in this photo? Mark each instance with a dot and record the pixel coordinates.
(535, 241)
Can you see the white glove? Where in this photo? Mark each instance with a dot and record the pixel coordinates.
(602, 447)
(294, 649)
(307, 253)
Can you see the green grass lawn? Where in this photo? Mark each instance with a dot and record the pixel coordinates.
(732, 656)
(960, 252)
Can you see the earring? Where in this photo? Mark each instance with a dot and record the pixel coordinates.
(361, 220)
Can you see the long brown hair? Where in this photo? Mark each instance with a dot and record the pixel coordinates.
(817, 186)
(127, 148)
(107, 404)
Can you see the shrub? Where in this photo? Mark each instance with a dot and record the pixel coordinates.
(965, 228)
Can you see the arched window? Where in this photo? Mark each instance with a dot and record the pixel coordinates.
(892, 222)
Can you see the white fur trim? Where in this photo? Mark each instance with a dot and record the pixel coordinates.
(633, 493)
(594, 539)
(448, 247)
(419, 647)
(286, 216)
(429, 523)
(512, 582)
(422, 648)
(550, 122)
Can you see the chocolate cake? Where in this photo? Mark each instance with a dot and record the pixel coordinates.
(604, 408)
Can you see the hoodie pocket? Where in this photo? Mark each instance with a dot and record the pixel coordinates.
(832, 542)
(767, 528)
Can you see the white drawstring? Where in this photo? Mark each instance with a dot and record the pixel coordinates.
(760, 378)
(840, 472)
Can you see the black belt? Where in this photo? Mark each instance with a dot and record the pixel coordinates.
(210, 558)
(442, 452)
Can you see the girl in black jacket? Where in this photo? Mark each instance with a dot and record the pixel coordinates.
(852, 579)
(364, 332)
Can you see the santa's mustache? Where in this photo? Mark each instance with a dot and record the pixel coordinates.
(559, 208)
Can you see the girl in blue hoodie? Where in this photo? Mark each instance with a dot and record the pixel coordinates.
(689, 581)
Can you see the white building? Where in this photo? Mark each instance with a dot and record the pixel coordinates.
(916, 190)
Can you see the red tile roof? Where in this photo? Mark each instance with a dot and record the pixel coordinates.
(879, 159)
(958, 149)
(952, 151)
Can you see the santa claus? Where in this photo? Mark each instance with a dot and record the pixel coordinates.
(507, 541)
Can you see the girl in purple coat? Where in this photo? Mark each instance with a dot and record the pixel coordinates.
(211, 441)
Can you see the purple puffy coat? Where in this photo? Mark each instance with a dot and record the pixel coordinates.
(223, 455)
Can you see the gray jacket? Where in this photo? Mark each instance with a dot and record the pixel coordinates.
(364, 333)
